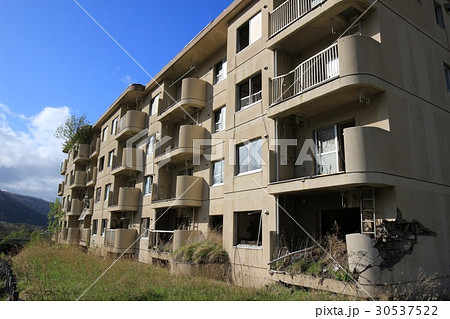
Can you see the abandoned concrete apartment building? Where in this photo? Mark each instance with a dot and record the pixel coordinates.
(309, 113)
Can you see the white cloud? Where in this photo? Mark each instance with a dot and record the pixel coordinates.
(30, 157)
(126, 79)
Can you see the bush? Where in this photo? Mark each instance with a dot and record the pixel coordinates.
(206, 251)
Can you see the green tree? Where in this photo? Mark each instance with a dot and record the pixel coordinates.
(76, 130)
(55, 216)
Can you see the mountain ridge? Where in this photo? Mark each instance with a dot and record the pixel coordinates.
(23, 209)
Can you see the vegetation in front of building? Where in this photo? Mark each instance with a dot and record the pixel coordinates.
(49, 271)
(74, 131)
(206, 251)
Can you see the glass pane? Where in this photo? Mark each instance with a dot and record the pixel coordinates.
(326, 139)
(327, 164)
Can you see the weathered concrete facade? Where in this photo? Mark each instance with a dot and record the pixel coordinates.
(367, 85)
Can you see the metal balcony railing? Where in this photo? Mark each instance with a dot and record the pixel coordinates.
(290, 11)
(315, 71)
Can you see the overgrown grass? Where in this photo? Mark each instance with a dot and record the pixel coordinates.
(206, 251)
(60, 272)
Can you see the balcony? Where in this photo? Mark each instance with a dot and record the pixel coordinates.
(63, 167)
(182, 147)
(88, 208)
(128, 200)
(167, 241)
(73, 235)
(342, 73)
(130, 124)
(78, 180)
(61, 189)
(188, 192)
(132, 162)
(192, 99)
(75, 207)
(94, 148)
(81, 153)
(290, 11)
(367, 154)
(119, 240)
(85, 237)
(91, 177)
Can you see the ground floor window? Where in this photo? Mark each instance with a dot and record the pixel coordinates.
(94, 227)
(103, 229)
(216, 223)
(248, 228)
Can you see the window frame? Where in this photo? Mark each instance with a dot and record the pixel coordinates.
(320, 153)
(104, 133)
(253, 97)
(107, 192)
(222, 172)
(154, 104)
(439, 15)
(148, 186)
(220, 74)
(248, 146)
(238, 226)
(111, 158)
(98, 194)
(142, 230)
(244, 32)
(447, 76)
(103, 227)
(101, 163)
(219, 119)
(94, 227)
(114, 124)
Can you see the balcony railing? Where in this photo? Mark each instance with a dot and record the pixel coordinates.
(81, 153)
(250, 99)
(94, 148)
(131, 123)
(315, 71)
(61, 189)
(290, 11)
(91, 176)
(78, 179)
(161, 240)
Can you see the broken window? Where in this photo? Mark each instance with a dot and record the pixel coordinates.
(220, 71)
(248, 228)
(327, 150)
(249, 32)
(103, 229)
(216, 223)
(94, 227)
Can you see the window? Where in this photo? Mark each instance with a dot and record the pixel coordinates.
(248, 228)
(104, 223)
(327, 150)
(98, 194)
(111, 158)
(107, 191)
(131, 183)
(186, 172)
(219, 119)
(94, 227)
(249, 156)
(101, 163)
(218, 172)
(220, 71)
(439, 15)
(249, 91)
(63, 202)
(67, 178)
(151, 144)
(249, 32)
(145, 223)
(104, 133)
(114, 126)
(148, 180)
(154, 105)
(447, 76)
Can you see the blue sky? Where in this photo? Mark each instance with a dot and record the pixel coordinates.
(55, 61)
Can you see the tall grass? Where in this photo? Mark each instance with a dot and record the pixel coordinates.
(49, 271)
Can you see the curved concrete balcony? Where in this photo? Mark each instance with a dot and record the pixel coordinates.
(76, 207)
(85, 237)
(185, 147)
(193, 98)
(63, 167)
(128, 200)
(78, 180)
(188, 192)
(91, 177)
(81, 153)
(61, 189)
(73, 235)
(130, 124)
(367, 158)
(132, 162)
(343, 73)
(94, 148)
(119, 240)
